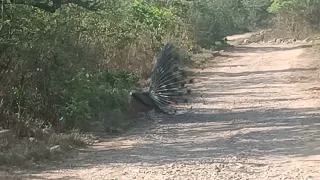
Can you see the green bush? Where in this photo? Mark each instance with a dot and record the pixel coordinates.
(93, 95)
(74, 65)
(298, 18)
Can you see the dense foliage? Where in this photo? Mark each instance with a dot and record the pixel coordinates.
(298, 17)
(73, 65)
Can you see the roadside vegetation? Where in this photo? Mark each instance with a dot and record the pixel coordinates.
(67, 69)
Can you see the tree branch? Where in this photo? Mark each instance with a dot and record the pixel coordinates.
(53, 5)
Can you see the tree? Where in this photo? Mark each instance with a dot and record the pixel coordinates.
(53, 5)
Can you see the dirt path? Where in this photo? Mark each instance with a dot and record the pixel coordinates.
(258, 118)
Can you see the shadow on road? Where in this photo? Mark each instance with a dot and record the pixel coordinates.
(281, 126)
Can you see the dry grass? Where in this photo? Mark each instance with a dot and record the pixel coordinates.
(16, 151)
(316, 45)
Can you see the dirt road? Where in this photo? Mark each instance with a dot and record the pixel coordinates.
(258, 118)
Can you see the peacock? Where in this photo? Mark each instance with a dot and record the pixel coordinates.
(167, 84)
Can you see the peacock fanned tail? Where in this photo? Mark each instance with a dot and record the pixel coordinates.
(167, 80)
